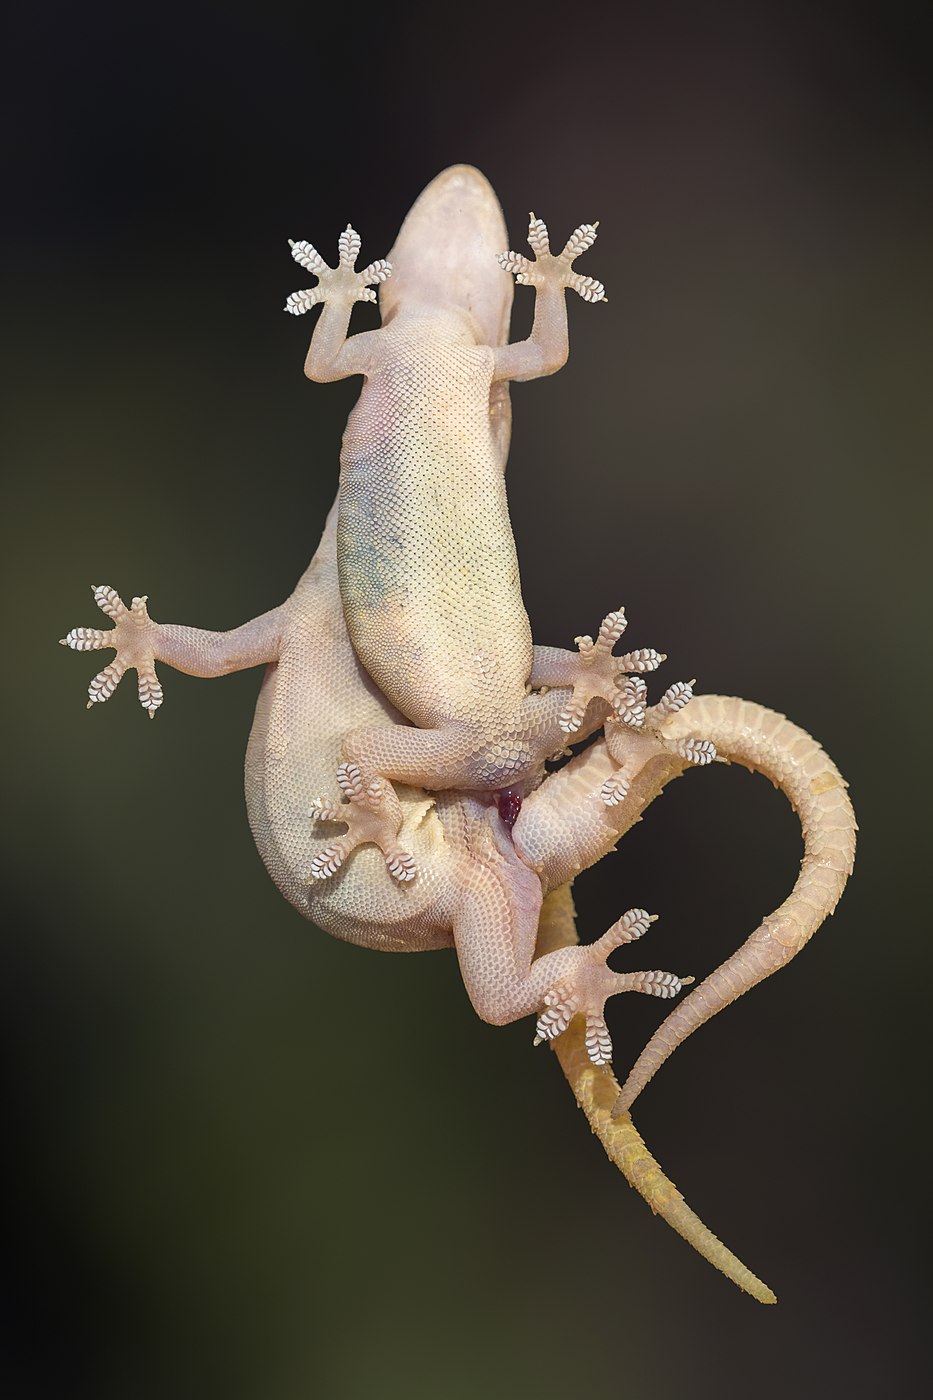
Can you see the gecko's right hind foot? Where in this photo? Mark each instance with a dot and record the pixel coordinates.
(587, 990)
(340, 283)
(601, 676)
(636, 732)
(133, 637)
(372, 813)
(554, 268)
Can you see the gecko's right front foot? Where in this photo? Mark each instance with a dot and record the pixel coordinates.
(554, 268)
(340, 283)
(371, 812)
(133, 637)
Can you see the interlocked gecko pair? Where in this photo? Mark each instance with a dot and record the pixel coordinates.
(404, 700)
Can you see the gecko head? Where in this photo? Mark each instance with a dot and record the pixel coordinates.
(445, 254)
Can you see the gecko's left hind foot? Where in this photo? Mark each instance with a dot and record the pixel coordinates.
(601, 676)
(372, 813)
(554, 268)
(593, 983)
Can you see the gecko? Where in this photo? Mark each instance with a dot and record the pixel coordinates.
(404, 699)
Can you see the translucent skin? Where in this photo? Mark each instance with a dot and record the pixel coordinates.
(405, 647)
(743, 732)
(426, 557)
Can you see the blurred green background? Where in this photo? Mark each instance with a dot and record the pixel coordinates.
(249, 1161)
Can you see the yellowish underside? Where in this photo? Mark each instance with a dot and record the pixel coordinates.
(597, 1089)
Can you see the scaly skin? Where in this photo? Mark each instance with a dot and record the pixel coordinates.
(745, 733)
(442, 581)
(466, 702)
(597, 1091)
(765, 742)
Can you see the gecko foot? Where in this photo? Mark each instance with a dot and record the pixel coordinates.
(593, 983)
(372, 813)
(635, 733)
(133, 637)
(554, 268)
(599, 673)
(340, 283)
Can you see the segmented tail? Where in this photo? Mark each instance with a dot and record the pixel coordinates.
(767, 742)
(596, 1091)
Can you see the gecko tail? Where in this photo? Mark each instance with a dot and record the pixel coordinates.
(766, 742)
(596, 1090)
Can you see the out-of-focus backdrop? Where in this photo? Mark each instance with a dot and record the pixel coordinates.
(247, 1160)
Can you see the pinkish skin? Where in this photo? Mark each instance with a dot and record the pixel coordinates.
(433, 862)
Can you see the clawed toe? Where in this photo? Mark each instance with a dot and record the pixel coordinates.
(342, 282)
(372, 813)
(560, 1007)
(638, 734)
(133, 637)
(554, 267)
(612, 679)
(594, 983)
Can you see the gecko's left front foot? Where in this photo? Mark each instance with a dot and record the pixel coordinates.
(133, 637)
(372, 813)
(598, 673)
(340, 283)
(594, 982)
(555, 269)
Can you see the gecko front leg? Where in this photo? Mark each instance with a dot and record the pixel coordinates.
(547, 348)
(140, 642)
(372, 813)
(331, 355)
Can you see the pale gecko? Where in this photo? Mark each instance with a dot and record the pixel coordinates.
(403, 698)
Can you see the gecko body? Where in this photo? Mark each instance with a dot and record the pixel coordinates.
(439, 584)
(403, 699)
(442, 582)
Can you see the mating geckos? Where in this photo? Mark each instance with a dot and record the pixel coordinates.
(404, 699)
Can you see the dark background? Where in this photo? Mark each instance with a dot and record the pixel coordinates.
(247, 1160)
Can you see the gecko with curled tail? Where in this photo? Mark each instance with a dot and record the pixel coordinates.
(404, 700)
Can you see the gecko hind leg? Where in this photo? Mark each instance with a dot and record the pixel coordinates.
(594, 673)
(594, 983)
(455, 756)
(637, 732)
(340, 283)
(371, 813)
(495, 927)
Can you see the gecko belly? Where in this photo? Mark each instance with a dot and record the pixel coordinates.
(432, 599)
